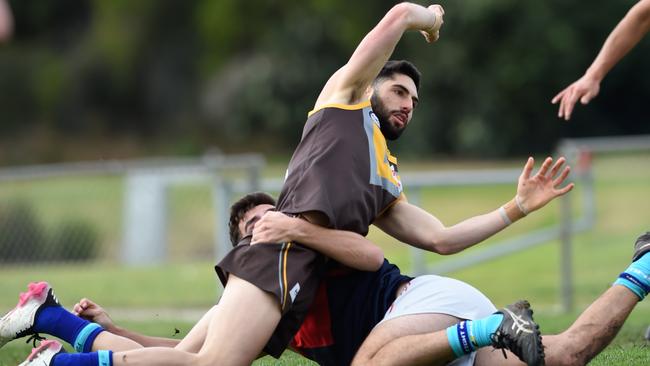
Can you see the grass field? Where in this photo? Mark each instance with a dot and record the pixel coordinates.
(623, 211)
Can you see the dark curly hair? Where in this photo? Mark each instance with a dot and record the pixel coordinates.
(398, 67)
(239, 209)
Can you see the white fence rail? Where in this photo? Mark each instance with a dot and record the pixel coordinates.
(145, 211)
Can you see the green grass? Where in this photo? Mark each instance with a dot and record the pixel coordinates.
(623, 204)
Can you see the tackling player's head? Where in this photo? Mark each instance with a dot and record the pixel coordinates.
(395, 96)
(245, 212)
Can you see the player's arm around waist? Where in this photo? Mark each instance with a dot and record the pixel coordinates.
(412, 225)
(346, 247)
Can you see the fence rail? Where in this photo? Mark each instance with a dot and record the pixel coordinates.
(145, 185)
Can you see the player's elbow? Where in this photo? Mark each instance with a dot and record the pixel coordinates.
(373, 258)
(376, 259)
(442, 244)
(400, 13)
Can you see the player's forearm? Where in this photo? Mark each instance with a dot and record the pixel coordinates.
(469, 232)
(144, 340)
(412, 225)
(476, 229)
(622, 39)
(377, 46)
(6, 21)
(346, 247)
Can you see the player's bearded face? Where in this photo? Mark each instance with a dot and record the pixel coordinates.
(383, 113)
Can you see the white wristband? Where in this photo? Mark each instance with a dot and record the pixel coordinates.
(504, 216)
(520, 206)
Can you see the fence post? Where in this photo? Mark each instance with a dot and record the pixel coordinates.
(566, 271)
(145, 219)
(222, 192)
(417, 254)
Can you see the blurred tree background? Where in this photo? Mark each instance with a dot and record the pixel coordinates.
(95, 79)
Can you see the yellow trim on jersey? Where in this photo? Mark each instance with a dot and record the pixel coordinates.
(381, 154)
(348, 107)
(284, 275)
(402, 197)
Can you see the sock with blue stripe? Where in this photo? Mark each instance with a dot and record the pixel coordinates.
(637, 277)
(470, 335)
(99, 358)
(57, 321)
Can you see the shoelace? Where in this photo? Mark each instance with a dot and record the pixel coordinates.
(34, 338)
(498, 339)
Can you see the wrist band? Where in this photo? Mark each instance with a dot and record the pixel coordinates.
(504, 216)
(520, 206)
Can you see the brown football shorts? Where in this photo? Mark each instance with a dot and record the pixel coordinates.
(289, 271)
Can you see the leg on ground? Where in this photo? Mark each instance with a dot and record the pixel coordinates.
(594, 329)
(408, 340)
(239, 328)
(194, 340)
(109, 341)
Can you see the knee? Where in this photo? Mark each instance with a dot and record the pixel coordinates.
(361, 359)
(360, 362)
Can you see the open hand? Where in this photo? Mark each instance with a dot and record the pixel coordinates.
(536, 191)
(584, 89)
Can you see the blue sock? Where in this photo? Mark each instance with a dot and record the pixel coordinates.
(469, 335)
(99, 358)
(57, 321)
(637, 277)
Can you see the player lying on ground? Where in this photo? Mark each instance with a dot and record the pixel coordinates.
(593, 330)
(253, 213)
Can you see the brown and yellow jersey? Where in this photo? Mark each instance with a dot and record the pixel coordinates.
(342, 168)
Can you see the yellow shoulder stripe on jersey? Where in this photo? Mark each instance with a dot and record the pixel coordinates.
(349, 107)
(382, 157)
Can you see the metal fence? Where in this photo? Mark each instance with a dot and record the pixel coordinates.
(136, 212)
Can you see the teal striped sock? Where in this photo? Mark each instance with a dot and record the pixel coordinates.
(458, 338)
(470, 335)
(637, 277)
(481, 329)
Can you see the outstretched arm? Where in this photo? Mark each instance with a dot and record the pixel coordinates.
(622, 39)
(414, 226)
(349, 83)
(346, 247)
(91, 311)
(6, 21)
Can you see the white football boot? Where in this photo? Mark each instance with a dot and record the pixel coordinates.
(19, 322)
(43, 354)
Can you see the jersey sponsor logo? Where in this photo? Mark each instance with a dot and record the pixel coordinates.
(374, 118)
(294, 291)
(396, 178)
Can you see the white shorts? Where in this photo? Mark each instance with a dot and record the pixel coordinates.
(442, 295)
